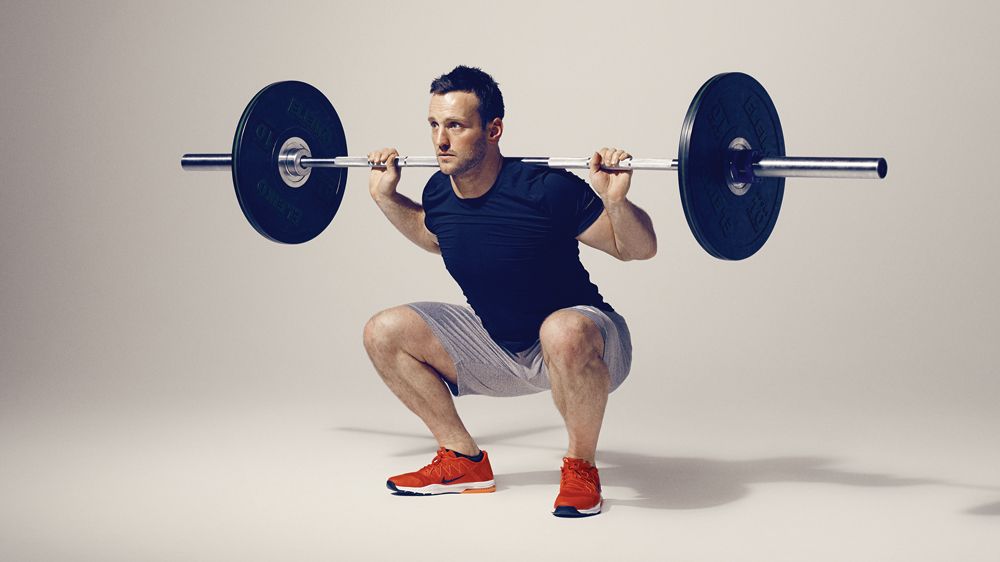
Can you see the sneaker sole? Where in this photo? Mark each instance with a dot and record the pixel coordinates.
(570, 511)
(438, 489)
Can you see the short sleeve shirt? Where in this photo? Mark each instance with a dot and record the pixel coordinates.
(513, 250)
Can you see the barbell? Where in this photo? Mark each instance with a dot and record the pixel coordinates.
(289, 164)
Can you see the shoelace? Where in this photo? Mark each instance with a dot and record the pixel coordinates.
(436, 466)
(577, 475)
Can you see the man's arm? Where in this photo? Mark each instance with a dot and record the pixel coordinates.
(404, 213)
(623, 230)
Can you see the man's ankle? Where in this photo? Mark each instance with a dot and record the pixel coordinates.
(464, 451)
(592, 461)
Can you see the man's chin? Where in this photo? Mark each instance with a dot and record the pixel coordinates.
(454, 166)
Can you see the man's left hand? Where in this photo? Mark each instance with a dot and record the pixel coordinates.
(610, 186)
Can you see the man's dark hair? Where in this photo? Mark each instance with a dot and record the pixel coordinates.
(474, 80)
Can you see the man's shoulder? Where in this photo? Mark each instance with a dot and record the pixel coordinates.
(437, 181)
(536, 177)
(436, 189)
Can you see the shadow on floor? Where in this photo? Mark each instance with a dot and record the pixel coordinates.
(686, 482)
(985, 509)
(697, 483)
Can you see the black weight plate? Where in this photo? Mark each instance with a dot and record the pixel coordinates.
(290, 215)
(727, 225)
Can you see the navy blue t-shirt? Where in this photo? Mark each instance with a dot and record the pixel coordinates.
(513, 251)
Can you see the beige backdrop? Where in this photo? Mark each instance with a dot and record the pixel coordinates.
(134, 296)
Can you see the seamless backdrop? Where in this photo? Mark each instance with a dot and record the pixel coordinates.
(175, 387)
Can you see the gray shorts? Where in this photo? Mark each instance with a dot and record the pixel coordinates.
(486, 368)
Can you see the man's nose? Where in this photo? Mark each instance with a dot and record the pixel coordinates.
(441, 139)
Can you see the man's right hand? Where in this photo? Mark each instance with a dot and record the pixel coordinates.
(384, 174)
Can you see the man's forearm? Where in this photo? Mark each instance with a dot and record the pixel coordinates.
(633, 230)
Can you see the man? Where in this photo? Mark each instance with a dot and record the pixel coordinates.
(508, 233)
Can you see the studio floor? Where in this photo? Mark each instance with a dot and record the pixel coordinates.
(709, 479)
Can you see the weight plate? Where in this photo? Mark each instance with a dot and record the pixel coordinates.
(729, 106)
(291, 215)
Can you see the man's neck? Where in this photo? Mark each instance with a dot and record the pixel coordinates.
(477, 181)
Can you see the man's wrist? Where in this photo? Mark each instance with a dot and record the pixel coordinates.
(381, 198)
(610, 203)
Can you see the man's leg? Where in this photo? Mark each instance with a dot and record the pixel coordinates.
(411, 360)
(572, 348)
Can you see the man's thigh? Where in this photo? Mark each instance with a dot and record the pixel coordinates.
(417, 339)
(617, 349)
(483, 367)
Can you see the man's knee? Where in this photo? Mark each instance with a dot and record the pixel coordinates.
(387, 330)
(401, 332)
(571, 338)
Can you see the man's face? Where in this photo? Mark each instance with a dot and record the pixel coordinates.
(457, 133)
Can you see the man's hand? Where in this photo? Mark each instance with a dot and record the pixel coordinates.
(385, 174)
(610, 186)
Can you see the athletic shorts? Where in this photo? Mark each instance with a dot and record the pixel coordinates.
(486, 368)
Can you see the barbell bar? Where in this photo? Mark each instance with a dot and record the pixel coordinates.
(787, 167)
(731, 166)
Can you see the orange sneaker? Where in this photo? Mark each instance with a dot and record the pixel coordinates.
(579, 490)
(448, 473)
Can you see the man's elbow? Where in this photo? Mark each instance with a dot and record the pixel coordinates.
(645, 254)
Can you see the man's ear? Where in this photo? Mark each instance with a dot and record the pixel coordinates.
(495, 129)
